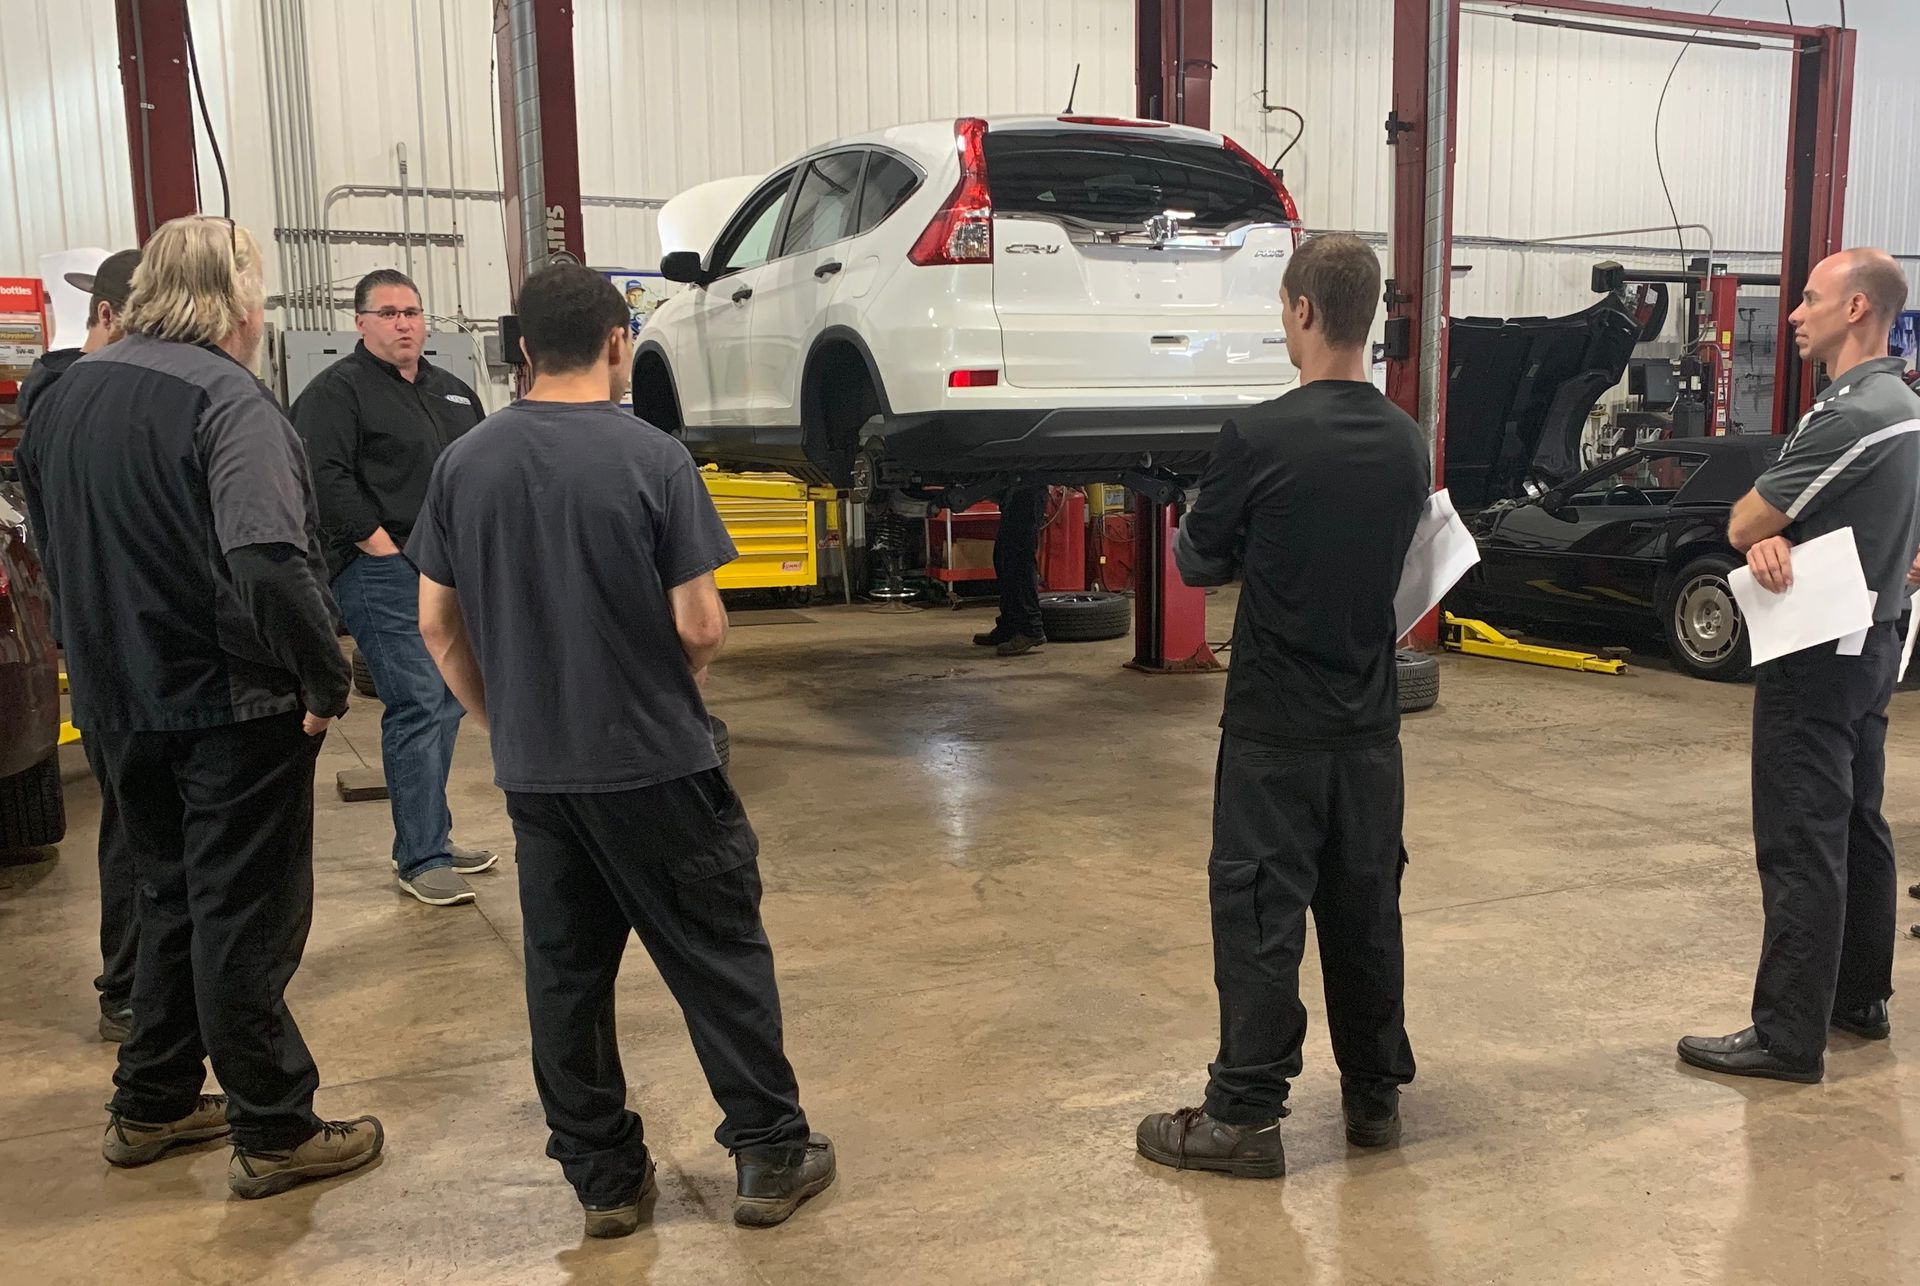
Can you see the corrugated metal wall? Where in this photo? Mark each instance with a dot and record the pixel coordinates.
(1557, 125)
(1556, 133)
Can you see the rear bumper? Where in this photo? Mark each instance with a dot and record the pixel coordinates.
(1179, 440)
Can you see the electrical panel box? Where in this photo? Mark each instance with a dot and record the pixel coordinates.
(303, 354)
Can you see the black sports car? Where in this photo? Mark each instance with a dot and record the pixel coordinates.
(1639, 542)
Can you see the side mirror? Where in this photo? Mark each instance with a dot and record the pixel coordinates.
(683, 266)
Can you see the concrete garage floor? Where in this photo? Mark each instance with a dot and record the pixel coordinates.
(985, 882)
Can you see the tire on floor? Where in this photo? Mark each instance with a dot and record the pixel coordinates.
(363, 677)
(1419, 681)
(1085, 617)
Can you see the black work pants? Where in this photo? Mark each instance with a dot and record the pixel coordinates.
(1827, 875)
(675, 863)
(220, 823)
(1016, 554)
(1293, 830)
(119, 901)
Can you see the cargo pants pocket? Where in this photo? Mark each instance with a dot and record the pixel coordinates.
(713, 859)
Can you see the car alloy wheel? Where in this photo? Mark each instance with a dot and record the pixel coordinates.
(1706, 622)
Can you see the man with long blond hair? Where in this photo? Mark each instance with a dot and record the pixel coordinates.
(180, 539)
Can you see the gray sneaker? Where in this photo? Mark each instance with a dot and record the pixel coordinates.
(442, 886)
(467, 861)
(471, 861)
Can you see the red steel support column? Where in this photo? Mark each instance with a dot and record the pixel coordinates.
(159, 107)
(1418, 316)
(1173, 74)
(555, 112)
(1819, 135)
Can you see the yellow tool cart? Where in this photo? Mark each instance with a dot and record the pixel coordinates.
(773, 522)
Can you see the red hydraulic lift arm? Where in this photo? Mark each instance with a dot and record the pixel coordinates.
(159, 110)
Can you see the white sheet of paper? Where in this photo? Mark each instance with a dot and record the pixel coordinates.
(1856, 643)
(1442, 552)
(1913, 629)
(1827, 601)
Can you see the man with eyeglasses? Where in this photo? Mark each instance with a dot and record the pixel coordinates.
(374, 423)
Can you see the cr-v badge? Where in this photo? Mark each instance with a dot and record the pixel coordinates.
(1029, 248)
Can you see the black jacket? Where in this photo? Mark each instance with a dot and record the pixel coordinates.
(48, 368)
(372, 438)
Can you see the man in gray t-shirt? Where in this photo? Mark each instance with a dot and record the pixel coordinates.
(566, 553)
(1825, 854)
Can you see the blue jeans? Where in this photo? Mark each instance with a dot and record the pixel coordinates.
(380, 599)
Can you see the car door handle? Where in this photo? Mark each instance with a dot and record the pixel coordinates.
(743, 294)
(826, 270)
(1643, 528)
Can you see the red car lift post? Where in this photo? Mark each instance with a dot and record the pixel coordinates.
(1426, 65)
(159, 110)
(1173, 77)
(539, 135)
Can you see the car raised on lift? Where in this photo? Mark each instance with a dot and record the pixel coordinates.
(1062, 298)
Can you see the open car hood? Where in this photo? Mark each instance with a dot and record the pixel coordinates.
(693, 219)
(1519, 391)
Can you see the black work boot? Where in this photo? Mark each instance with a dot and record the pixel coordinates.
(1745, 1054)
(1868, 1021)
(1372, 1117)
(993, 638)
(773, 1181)
(621, 1218)
(1021, 644)
(1191, 1140)
(116, 1023)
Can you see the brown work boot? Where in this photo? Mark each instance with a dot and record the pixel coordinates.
(1191, 1140)
(773, 1181)
(336, 1148)
(130, 1143)
(624, 1218)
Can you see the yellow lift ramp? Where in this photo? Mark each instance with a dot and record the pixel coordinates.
(1477, 638)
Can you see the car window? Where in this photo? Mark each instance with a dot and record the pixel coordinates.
(823, 208)
(890, 181)
(748, 243)
(1125, 179)
(1657, 478)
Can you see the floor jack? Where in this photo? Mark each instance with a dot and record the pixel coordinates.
(1477, 638)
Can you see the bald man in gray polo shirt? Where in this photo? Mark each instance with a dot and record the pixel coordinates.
(1826, 860)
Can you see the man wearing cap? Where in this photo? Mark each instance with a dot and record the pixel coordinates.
(109, 285)
(1827, 872)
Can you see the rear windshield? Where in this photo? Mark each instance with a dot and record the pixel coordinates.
(1125, 179)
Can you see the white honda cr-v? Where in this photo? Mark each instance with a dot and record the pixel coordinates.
(1072, 298)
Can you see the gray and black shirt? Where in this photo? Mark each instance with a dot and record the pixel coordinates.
(171, 502)
(1854, 461)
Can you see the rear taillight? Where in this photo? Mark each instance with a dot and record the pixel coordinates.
(1287, 205)
(973, 379)
(962, 230)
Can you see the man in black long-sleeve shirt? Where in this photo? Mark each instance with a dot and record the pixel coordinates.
(180, 540)
(1311, 500)
(374, 423)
